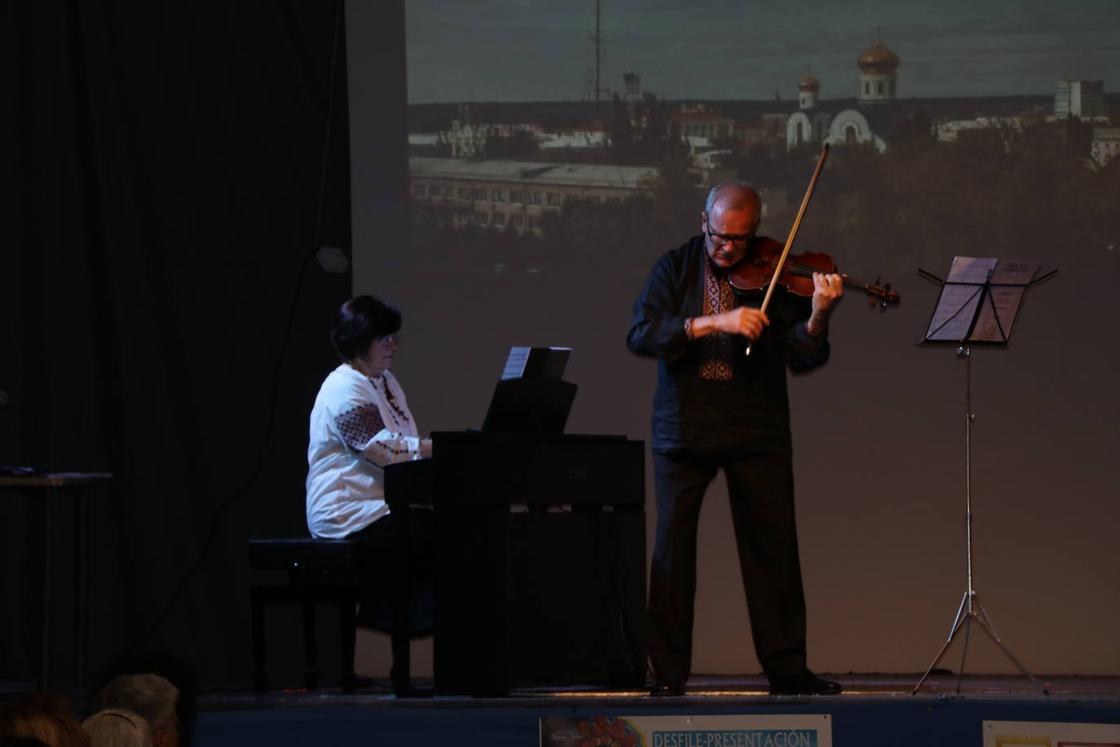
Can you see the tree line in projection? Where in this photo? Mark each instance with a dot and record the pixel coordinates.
(1013, 192)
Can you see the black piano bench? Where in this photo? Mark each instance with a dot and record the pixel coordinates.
(319, 571)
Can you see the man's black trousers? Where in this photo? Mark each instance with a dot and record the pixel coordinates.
(760, 487)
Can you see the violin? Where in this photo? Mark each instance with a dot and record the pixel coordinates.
(790, 272)
(756, 272)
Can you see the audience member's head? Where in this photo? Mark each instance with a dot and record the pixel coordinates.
(150, 696)
(116, 727)
(171, 668)
(44, 718)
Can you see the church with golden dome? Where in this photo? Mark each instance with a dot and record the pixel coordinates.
(842, 124)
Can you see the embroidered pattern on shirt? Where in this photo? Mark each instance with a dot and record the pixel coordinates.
(359, 425)
(386, 454)
(716, 350)
(399, 415)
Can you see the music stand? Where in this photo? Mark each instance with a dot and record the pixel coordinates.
(977, 306)
(531, 396)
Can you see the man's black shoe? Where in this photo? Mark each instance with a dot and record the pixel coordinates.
(804, 683)
(665, 689)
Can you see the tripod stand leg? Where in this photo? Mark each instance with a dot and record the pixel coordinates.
(964, 649)
(957, 622)
(990, 629)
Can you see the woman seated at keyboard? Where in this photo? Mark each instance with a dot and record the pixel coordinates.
(360, 424)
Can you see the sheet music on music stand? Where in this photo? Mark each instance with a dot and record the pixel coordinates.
(526, 361)
(531, 396)
(980, 300)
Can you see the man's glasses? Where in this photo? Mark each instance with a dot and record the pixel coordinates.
(393, 339)
(740, 241)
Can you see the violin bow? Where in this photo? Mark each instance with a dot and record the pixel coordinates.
(793, 233)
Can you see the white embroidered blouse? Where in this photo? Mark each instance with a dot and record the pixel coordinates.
(358, 425)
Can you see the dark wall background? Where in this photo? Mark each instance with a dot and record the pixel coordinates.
(170, 169)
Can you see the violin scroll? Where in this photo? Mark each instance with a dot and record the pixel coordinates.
(880, 294)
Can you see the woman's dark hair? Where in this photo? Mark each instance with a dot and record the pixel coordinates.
(360, 321)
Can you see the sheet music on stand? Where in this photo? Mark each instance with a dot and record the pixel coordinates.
(980, 300)
(528, 361)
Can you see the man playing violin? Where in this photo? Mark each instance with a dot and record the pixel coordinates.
(717, 408)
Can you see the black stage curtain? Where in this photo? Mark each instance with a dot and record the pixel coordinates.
(166, 184)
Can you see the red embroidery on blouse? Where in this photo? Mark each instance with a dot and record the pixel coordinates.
(359, 425)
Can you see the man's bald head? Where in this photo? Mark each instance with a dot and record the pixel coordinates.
(729, 221)
(732, 196)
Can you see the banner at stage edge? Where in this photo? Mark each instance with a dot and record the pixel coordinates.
(1049, 734)
(688, 731)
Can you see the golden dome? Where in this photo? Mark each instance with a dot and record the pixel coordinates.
(809, 83)
(878, 59)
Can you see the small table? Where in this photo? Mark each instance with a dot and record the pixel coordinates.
(52, 484)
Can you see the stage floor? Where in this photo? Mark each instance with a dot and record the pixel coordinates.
(874, 710)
